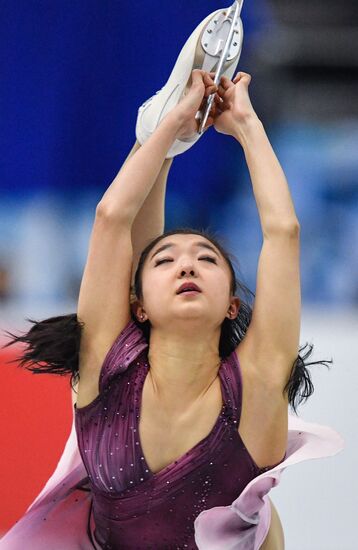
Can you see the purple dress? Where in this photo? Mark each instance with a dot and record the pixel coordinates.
(104, 495)
(133, 507)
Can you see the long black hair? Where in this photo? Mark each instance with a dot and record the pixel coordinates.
(53, 344)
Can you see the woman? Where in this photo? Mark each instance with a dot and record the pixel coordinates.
(182, 395)
(181, 410)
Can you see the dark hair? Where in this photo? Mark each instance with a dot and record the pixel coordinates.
(56, 341)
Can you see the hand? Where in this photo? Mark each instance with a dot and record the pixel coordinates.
(232, 104)
(202, 85)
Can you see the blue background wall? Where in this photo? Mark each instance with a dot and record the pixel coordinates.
(73, 75)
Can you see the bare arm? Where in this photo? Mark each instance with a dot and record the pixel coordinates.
(126, 195)
(132, 185)
(270, 187)
(103, 302)
(149, 222)
(272, 340)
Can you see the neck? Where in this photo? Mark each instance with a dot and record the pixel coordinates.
(182, 367)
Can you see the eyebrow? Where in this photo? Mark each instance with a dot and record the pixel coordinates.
(201, 244)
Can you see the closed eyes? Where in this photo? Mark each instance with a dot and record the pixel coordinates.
(208, 258)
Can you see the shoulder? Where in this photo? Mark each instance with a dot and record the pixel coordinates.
(126, 348)
(128, 345)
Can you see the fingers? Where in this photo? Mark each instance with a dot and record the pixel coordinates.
(246, 77)
(208, 79)
(224, 86)
(213, 111)
(221, 96)
(219, 102)
(210, 90)
(226, 83)
(210, 85)
(198, 75)
(212, 116)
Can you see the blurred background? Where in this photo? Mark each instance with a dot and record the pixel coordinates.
(73, 75)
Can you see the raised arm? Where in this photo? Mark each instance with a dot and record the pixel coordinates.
(104, 300)
(271, 343)
(149, 221)
(123, 200)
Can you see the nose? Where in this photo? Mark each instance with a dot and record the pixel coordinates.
(187, 268)
(185, 271)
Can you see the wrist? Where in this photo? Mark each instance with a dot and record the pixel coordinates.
(246, 128)
(172, 122)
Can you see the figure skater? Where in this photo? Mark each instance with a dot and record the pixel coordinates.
(181, 388)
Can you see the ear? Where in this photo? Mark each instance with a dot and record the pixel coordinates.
(233, 309)
(138, 311)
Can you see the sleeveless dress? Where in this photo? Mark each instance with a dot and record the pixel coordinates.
(104, 495)
(133, 507)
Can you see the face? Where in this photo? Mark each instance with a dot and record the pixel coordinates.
(185, 258)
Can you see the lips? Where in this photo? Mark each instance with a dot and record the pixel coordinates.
(188, 286)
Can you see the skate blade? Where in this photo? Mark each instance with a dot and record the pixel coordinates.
(220, 51)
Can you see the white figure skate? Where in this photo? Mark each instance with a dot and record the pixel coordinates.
(214, 46)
